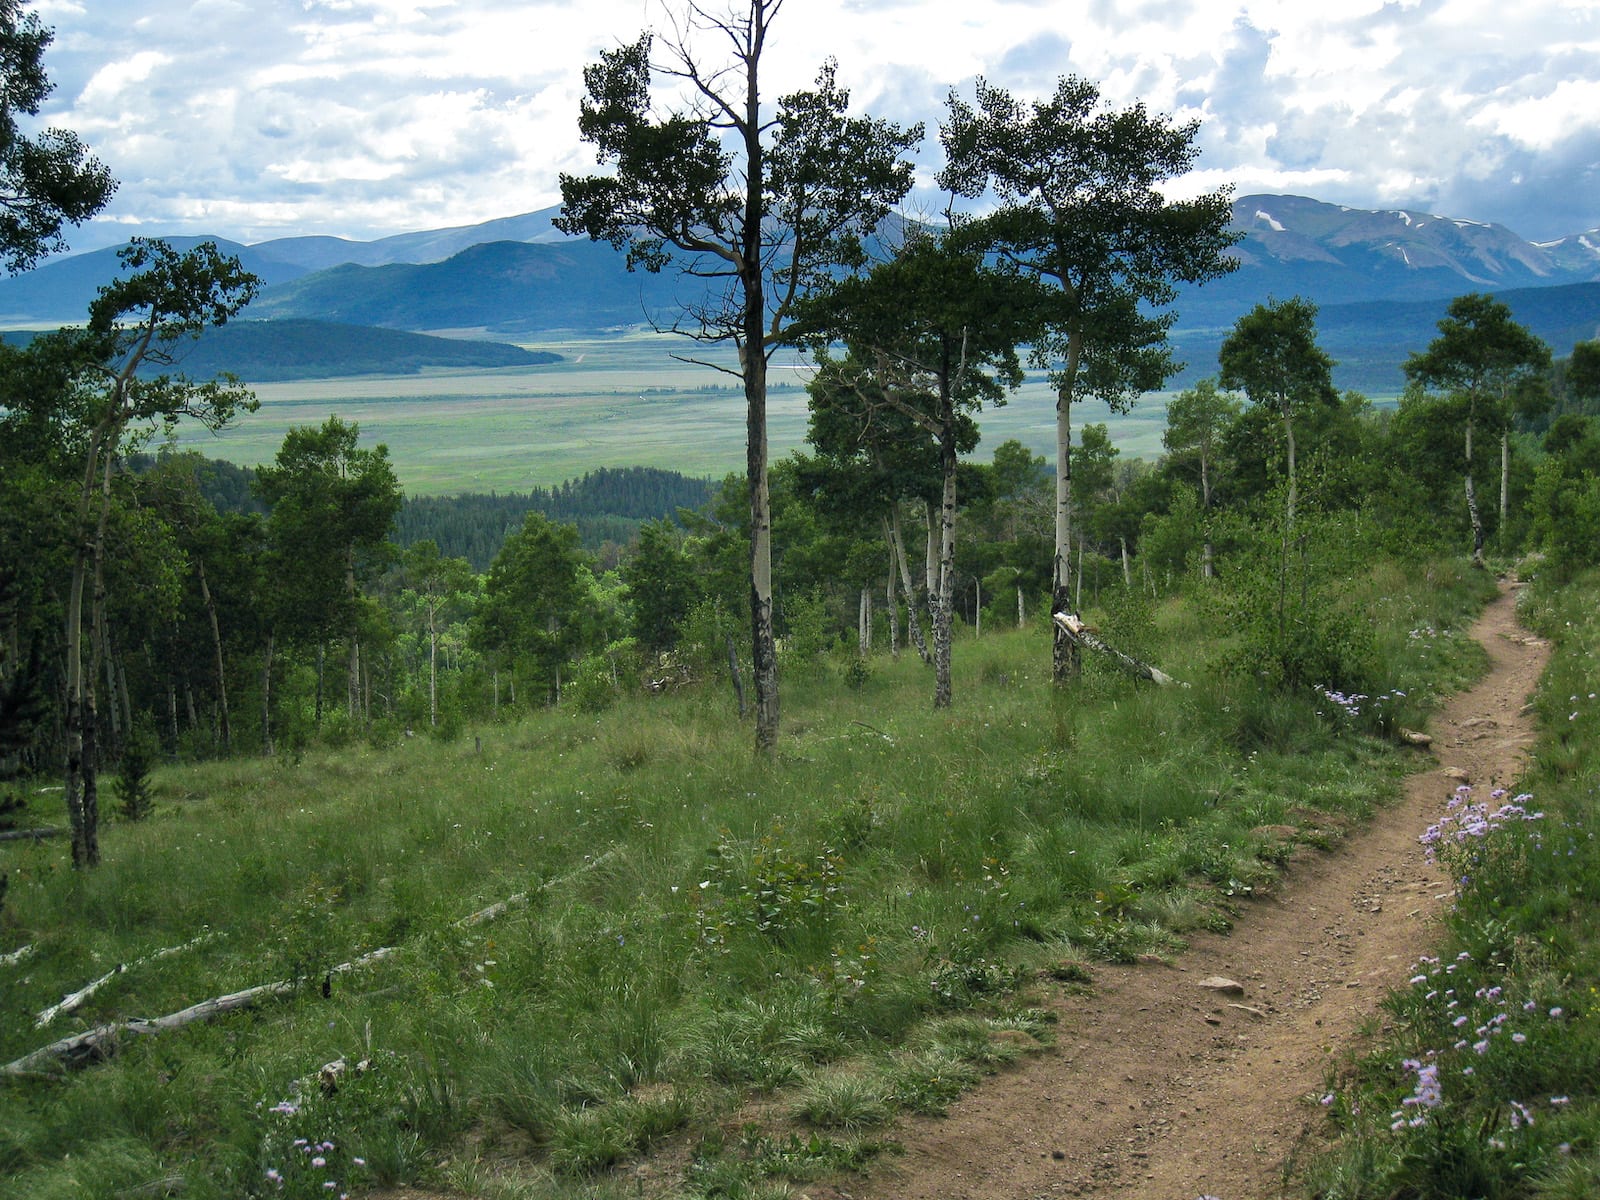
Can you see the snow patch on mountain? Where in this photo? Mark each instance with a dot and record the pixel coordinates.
(1272, 222)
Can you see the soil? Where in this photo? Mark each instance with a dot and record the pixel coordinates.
(1162, 1088)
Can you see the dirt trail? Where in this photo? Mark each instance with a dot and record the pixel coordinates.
(1161, 1089)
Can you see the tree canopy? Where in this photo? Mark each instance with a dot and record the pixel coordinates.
(1081, 210)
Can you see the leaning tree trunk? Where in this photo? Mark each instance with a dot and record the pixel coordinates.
(893, 610)
(898, 547)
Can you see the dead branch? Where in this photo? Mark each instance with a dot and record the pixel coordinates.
(1083, 635)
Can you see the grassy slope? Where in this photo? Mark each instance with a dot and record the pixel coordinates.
(703, 925)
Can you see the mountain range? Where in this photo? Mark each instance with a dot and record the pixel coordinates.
(1381, 279)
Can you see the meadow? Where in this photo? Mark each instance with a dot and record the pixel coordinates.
(753, 966)
(617, 401)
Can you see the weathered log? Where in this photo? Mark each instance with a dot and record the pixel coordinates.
(16, 956)
(1084, 636)
(32, 835)
(94, 1044)
(500, 908)
(74, 999)
(91, 1045)
(100, 1042)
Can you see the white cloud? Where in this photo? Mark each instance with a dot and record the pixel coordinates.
(367, 117)
(110, 82)
(1542, 121)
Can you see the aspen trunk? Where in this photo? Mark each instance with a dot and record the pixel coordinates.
(353, 682)
(893, 610)
(433, 672)
(1065, 657)
(763, 640)
(942, 632)
(733, 673)
(1505, 482)
(1071, 627)
(1472, 504)
(1288, 437)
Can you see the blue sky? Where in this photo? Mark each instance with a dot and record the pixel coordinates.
(254, 119)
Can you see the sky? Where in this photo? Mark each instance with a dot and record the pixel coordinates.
(256, 119)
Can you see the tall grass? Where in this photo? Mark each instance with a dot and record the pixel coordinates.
(701, 925)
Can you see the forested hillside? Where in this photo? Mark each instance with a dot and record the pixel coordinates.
(607, 505)
(297, 348)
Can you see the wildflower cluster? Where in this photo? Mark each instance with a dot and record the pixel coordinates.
(1358, 708)
(1489, 1041)
(1486, 845)
(311, 1141)
(1486, 1074)
(1467, 822)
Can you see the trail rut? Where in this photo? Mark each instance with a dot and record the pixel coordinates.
(1161, 1089)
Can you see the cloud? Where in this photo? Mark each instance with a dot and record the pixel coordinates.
(254, 118)
(112, 80)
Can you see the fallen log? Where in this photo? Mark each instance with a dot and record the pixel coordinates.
(33, 835)
(74, 999)
(1084, 636)
(100, 1042)
(16, 956)
(91, 1045)
(501, 907)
